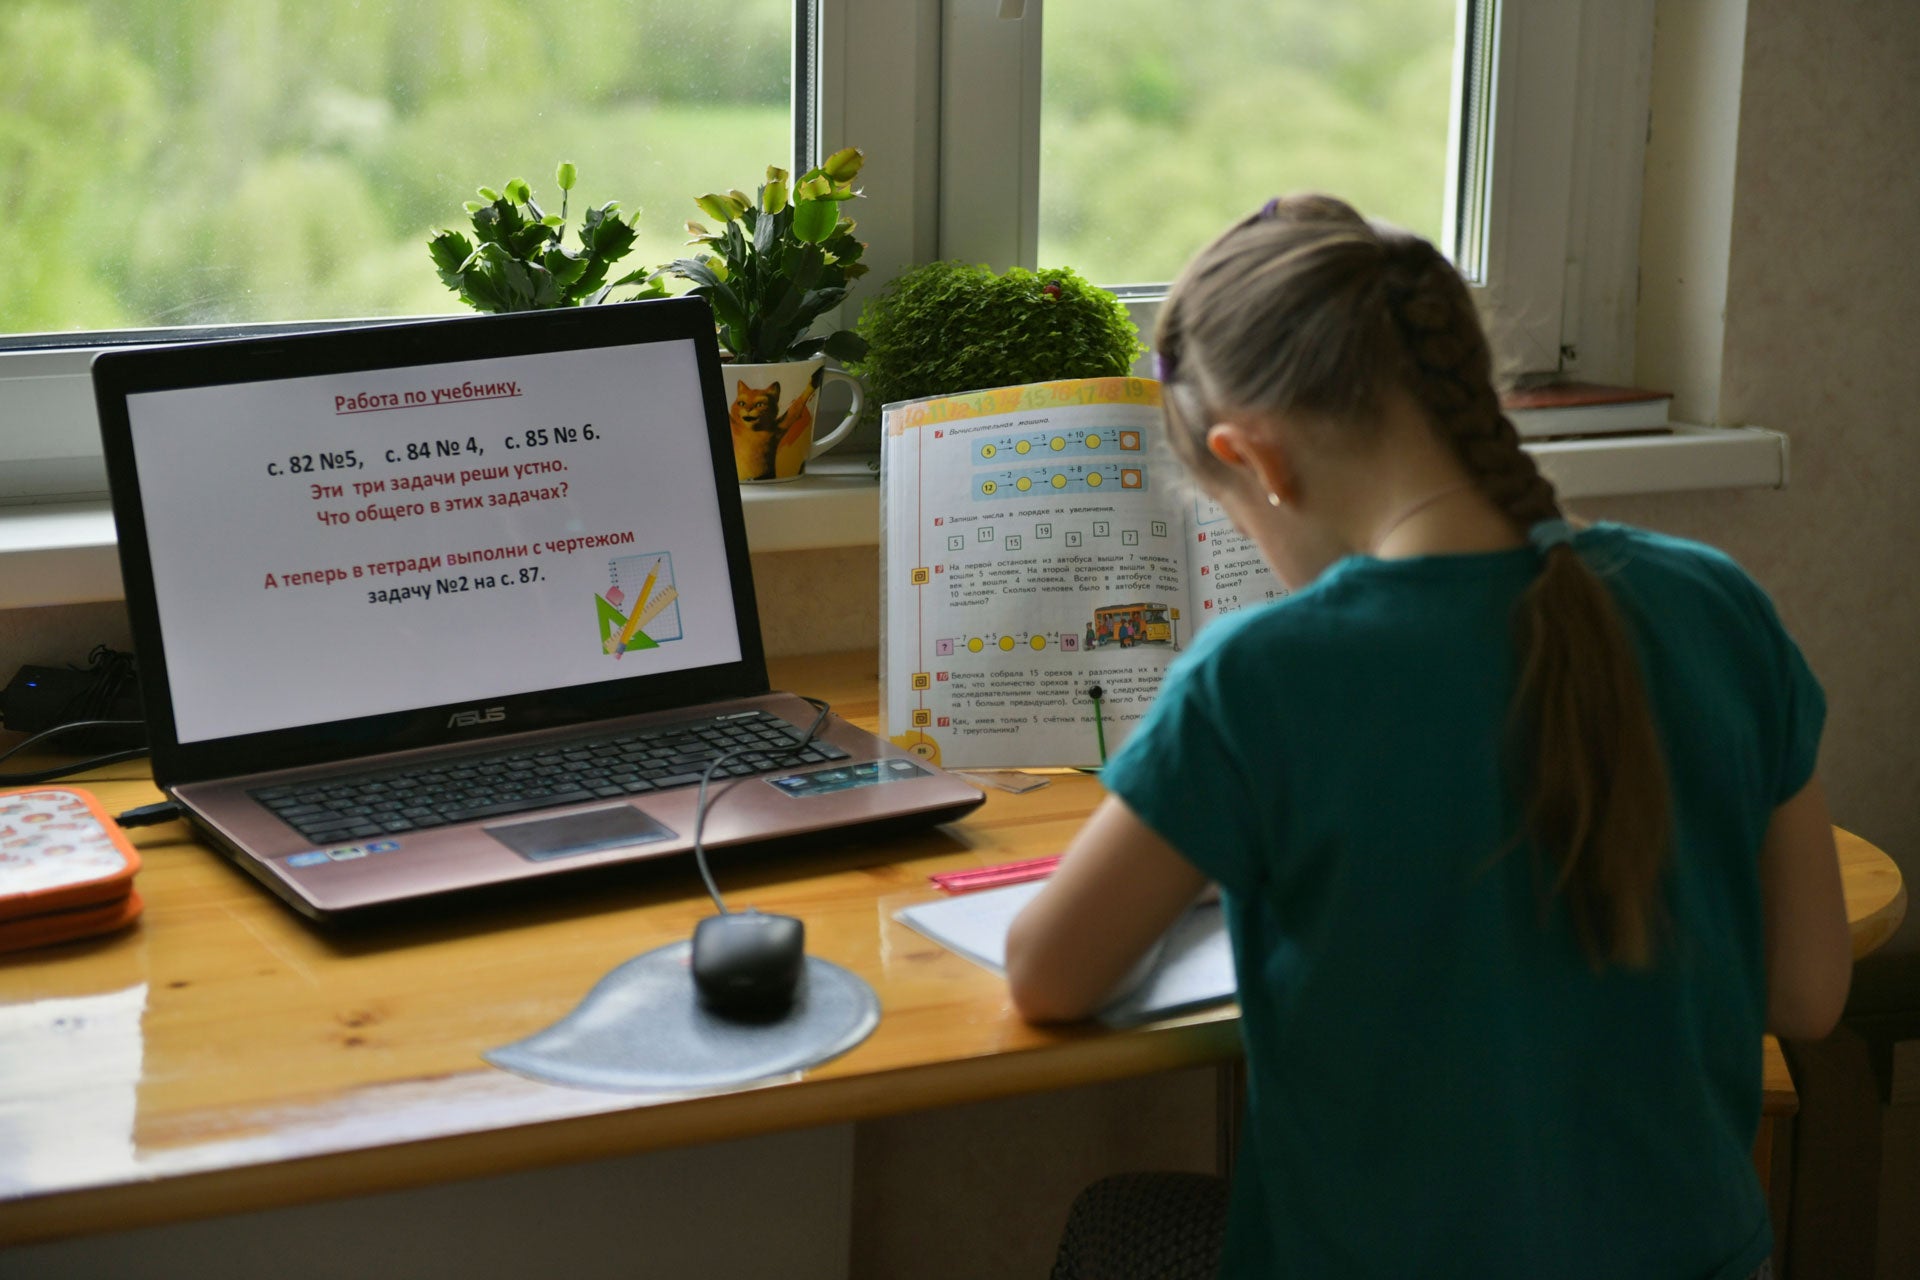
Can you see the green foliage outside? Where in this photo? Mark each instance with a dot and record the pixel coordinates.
(290, 160)
(947, 327)
(1163, 123)
(285, 161)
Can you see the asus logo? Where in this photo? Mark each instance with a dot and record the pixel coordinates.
(479, 715)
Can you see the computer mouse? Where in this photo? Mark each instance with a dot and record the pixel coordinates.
(746, 964)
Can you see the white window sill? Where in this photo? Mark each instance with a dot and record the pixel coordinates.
(65, 553)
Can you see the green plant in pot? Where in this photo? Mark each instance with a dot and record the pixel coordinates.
(946, 327)
(779, 262)
(518, 261)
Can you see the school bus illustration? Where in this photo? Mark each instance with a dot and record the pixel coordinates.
(1144, 622)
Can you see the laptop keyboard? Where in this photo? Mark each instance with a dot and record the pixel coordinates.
(394, 801)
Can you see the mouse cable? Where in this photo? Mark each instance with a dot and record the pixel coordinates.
(78, 766)
(700, 804)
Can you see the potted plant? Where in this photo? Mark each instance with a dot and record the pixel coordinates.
(946, 327)
(779, 262)
(521, 263)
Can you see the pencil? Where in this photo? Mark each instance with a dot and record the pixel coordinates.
(1099, 725)
(993, 877)
(633, 621)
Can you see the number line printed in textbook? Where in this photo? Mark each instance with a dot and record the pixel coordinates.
(1039, 541)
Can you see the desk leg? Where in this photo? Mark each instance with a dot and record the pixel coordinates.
(1231, 1083)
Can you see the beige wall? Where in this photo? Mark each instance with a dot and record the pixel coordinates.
(1821, 316)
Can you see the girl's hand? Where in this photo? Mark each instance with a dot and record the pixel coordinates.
(1117, 891)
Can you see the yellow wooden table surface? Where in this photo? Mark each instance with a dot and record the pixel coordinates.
(224, 1055)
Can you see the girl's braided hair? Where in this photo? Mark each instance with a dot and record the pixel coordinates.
(1306, 309)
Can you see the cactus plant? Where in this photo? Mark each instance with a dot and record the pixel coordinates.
(520, 262)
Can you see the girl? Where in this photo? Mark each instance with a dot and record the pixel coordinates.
(1516, 826)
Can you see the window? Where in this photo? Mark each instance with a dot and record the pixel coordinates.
(221, 162)
(1115, 135)
(1160, 124)
(165, 166)
(338, 132)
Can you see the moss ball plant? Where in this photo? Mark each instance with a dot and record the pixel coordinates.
(946, 327)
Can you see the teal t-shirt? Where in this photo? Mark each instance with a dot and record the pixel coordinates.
(1439, 1084)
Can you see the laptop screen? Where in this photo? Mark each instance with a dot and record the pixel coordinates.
(326, 548)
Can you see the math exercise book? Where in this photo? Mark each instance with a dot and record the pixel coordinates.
(1041, 544)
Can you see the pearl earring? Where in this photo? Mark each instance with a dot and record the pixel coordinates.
(1273, 499)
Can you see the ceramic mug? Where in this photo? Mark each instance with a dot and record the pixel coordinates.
(772, 414)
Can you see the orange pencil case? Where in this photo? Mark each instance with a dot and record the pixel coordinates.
(66, 868)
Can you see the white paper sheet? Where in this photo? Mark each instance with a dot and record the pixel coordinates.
(1196, 967)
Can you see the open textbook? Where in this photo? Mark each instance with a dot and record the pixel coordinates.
(1041, 547)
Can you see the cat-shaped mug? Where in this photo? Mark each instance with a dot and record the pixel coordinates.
(772, 416)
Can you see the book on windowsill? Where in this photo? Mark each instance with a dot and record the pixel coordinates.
(1034, 546)
(1585, 409)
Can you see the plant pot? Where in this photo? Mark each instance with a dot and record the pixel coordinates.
(773, 414)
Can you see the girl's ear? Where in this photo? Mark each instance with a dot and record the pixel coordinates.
(1260, 456)
(1225, 441)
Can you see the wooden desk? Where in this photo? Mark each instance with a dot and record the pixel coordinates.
(225, 1056)
(237, 1058)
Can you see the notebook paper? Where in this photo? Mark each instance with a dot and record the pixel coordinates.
(1195, 969)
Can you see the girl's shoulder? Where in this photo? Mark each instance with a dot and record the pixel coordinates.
(1669, 574)
(1368, 603)
(1313, 629)
(1661, 549)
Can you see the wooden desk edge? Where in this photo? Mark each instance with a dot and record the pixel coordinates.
(1072, 1061)
(829, 1098)
(1871, 933)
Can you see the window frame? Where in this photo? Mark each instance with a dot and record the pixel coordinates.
(940, 93)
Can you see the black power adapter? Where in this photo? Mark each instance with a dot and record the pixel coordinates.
(39, 698)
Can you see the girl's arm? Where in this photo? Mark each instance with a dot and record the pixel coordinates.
(1809, 949)
(1118, 889)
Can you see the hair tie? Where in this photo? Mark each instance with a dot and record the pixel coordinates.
(1270, 210)
(1163, 366)
(1548, 534)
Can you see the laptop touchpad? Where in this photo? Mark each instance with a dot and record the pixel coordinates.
(542, 839)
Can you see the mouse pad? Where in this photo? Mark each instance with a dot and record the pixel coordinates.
(643, 1028)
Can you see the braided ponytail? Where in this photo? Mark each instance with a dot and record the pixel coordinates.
(1598, 795)
(1449, 370)
(1305, 306)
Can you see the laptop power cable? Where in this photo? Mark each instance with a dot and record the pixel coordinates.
(107, 689)
(96, 707)
(32, 777)
(148, 815)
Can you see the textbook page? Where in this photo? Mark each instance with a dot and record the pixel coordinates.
(1034, 548)
(1229, 573)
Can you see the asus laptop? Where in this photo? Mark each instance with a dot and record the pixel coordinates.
(430, 607)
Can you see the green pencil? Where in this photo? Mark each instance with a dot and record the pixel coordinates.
(1099, 725)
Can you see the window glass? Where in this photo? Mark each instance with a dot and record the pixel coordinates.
(167, 163)
(1161, 123)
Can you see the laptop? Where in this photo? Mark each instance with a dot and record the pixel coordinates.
(431, 607)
